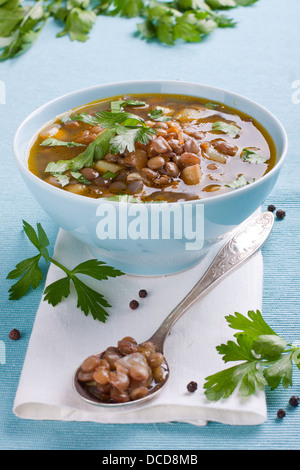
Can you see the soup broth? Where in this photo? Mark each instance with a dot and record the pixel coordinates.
(152, 148)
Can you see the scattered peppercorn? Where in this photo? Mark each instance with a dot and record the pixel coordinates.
(280, 214)
(294, 401)
(271, 208)
(14, 335)
(192, 386)
(143, 293)
(134, 304)
(280, 414)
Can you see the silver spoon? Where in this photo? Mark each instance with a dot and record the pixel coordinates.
(243, 243)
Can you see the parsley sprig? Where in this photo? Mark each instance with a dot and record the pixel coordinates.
(265, 359)
(30, 275)
(122, 131)
(167, 22)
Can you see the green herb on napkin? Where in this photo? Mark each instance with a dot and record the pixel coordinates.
(30, 275)
(265, 359)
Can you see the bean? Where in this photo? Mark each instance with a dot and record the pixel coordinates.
(111, 355)
(103, 182)
(161, 125)
(121, 176)
(71, 124)
(101, 375)
(160, 145)
(171, 169)
(155, 359)
(118, 396)
(225, 147)
(89, 173)
(75, 188)
(90, 364)
(139, 392)
(138, 159)
(85, 376)
(158, 374)
(52, 180)
(104, 363)
(139, 372)
(149, 174)
(191, 146)
(135, 187)
(134, 176)
(86, 138)
(120, 380)
(104, 388)
(189, 159)
(117, 186)
(127, 347)
(162, 180)
(161, 132)
(174, 144)
(155, 163)
(96, 130)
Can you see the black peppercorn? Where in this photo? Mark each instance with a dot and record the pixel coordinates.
(192, 386)
(271, 208)
(294, 401)
(15, 335)
(134, 304)
(280, 414)
(143, 293)
(280, 214)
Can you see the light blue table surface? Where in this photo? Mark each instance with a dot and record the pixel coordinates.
(260, 58)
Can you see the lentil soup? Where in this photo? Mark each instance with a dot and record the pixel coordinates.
(154, 147)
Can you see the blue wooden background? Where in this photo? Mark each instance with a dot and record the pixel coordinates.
(260, 58)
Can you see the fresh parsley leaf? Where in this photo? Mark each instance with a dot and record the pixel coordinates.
(238, 183)
(95, 151)
(79, 19)
(157, 115)
(79, 177)
(185, 20)
(57, 291)
(127, 137)
(29, 272)
(127, 8)
(90, 301)
(118, 106)
(211, 105)
(51, 142)
(252, 157)
(31, 277)
(96, 269)
(109, 175)
(267, 359)
(62, 179)
(229, 129)
(253, 325)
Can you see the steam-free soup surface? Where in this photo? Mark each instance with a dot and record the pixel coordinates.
(152, 147)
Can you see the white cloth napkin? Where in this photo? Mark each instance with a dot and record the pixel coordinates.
(63, 336)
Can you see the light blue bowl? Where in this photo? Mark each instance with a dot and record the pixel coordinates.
(147, 255)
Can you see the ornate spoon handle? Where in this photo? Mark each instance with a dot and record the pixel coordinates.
(243, 243)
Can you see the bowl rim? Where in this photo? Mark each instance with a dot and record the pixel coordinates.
(208, 200)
